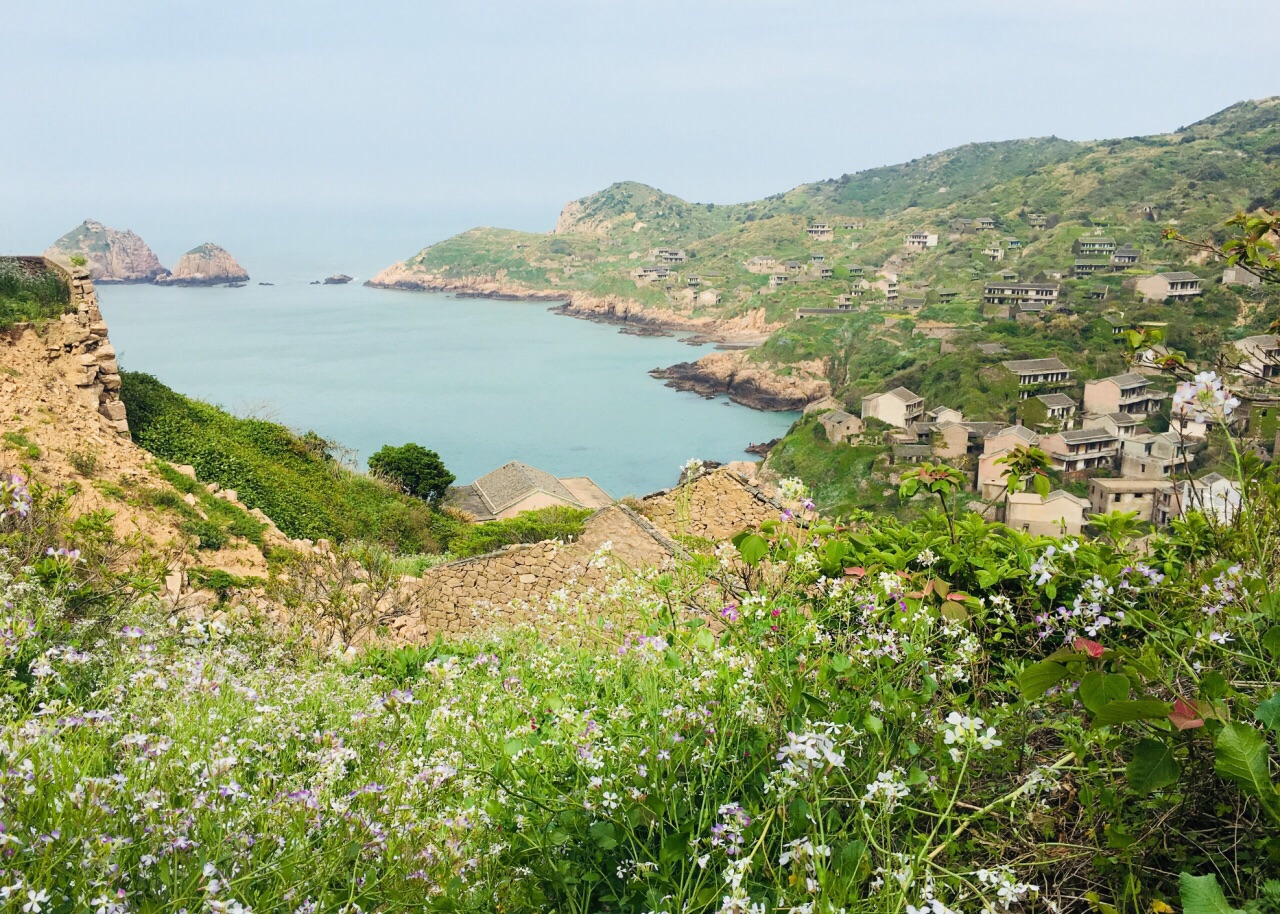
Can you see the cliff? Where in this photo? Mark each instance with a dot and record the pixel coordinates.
(110, 255)
(206, 265)
(758, 384)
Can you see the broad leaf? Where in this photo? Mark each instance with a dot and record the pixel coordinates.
(1240, 753)
(1152, 766)
(1185, 716)
(1268, 713)
(1040, 677)
(1203, 895)
(1271, 641)
(753, 548)
(1098, 688)
(1120, 712)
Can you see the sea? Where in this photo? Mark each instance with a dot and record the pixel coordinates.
(480, 382)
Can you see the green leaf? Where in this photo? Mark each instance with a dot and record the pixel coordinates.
(1203, 895)
(1240, 754)
(1098, 688)
(1152, 766)
(512, 747)
(1120, 712)
(1038, 678)
(1268, 713)
(1271, 641)
(753, 548)
(1042, 485)
(1213, 685)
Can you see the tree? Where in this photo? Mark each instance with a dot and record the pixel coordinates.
(415, 469)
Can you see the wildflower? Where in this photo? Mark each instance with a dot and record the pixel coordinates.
(887, 789)
(15, 497)
(926, 558)
(1204, 398)
(792, 489)
(890, 583)
(1044, 567)
(35, 901)
(691, 467)
(806, 752)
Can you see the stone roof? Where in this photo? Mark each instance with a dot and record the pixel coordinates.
(836, 416)
(1124, 419)
(1129, 379)
(515, 481)
(1179, 276)
(1056, 401)
(1087, 435)
(902, 394)
(1033, 366)
(1020, 431)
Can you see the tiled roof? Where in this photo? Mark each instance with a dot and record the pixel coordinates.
(1056, 401)
(514, 481)
(1180, 276)
(1032, 366)
(1129, 379)
(903, 394)
(1087, 435)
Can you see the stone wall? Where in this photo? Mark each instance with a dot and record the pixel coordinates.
(508, 585)
(714, 505)
(79, 342)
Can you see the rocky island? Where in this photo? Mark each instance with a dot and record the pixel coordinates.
(337, 279)
(109, 254)
(205, 265)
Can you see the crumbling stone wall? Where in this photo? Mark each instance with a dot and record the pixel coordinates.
(506, 585)
(79, 340)
(714, 505)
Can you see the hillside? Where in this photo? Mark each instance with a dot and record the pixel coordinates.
(110, 254)
(633, 254)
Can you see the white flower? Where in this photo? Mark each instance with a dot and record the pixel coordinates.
(691, 467)
(926, 558)
(1204, 398)
(792, 489)
(35, 900)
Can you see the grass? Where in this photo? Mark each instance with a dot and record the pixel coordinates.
(557, 522)
(26, 448)
(30, 295)
(290, 477)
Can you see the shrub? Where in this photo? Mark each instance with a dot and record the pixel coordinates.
(416, 470)
(556, 522)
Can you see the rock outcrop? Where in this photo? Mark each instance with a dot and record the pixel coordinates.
(110, 255)
(337, 279)
(205, 265)
(759, 385)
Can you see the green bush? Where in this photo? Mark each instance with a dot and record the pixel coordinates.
(31, 296)
(291, 478)
(556, 522)
(415, 469)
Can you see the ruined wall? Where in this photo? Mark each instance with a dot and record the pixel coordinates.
(473, 593)
(76, 347)
(715, 505)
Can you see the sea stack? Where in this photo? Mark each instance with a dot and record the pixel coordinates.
(206, 265)
(110, 255)
(337, 279)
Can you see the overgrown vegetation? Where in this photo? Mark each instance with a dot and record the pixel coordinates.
(293, 479)
(938, 714)
(557, 522)
(30, 292)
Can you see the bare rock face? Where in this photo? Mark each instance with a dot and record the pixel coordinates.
(757, 384)
(206, 265)
(110, 255)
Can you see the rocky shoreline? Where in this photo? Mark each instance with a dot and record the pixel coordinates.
(754, 384)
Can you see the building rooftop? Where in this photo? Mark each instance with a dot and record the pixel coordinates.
(1035, 366)
(1179, 276)
(1129, 380)
(1056, 401)
(515, 481)
(1086, 435)
(1128, 484)
(1020, 431)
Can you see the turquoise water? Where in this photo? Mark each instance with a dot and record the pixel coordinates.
(481, 382)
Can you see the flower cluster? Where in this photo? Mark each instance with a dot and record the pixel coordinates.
(1204, 398)
(886, 790)
(966, 731)
(15, 497)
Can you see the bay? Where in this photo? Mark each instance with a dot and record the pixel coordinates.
(481, 382)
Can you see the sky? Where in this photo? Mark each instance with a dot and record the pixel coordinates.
(366, 130)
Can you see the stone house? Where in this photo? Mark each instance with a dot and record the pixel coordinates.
(1034, 373)
(961, 224)
(1126, 393)
(1057, 514)
(1260, 355)
(1213, 495)
(984, 224)
(516, 487)
(1059, 409)
(840, 425)
(993, 252)
(792, 266)
(670, 255)
(1094, 246)
(761, 263)
(919, 241)
(1107, 495)
(1162, 286)
(650, 274)
(1017, 293)
(1124, 258)
(898, 407)
(1122, 425)
(996, 445)
(777, 279)
(1079, 450)
(708, 297)
(1037, 220)
(1239, 276)
(1154, 456)
(1088, 267)
(820, 230)
(1013, 244)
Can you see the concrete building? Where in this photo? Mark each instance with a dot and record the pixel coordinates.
(1034, 373)
(919, 241)
(840, 425)
(1213, 495)
(1239, 276)
(1260, 355)
(1094, 246)
(1125, 393)
(1059, 409)
(1154, 455)
(516, 487)
(1079, 450)
(1005, 292)
(1122, 425)
(1107, 495)
(1125, 258)
(1058, 514)
(898, 407)
(821, 230)
(1163, 286)
(984, 224)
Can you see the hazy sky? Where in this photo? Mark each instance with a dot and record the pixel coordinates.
(396, 123)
